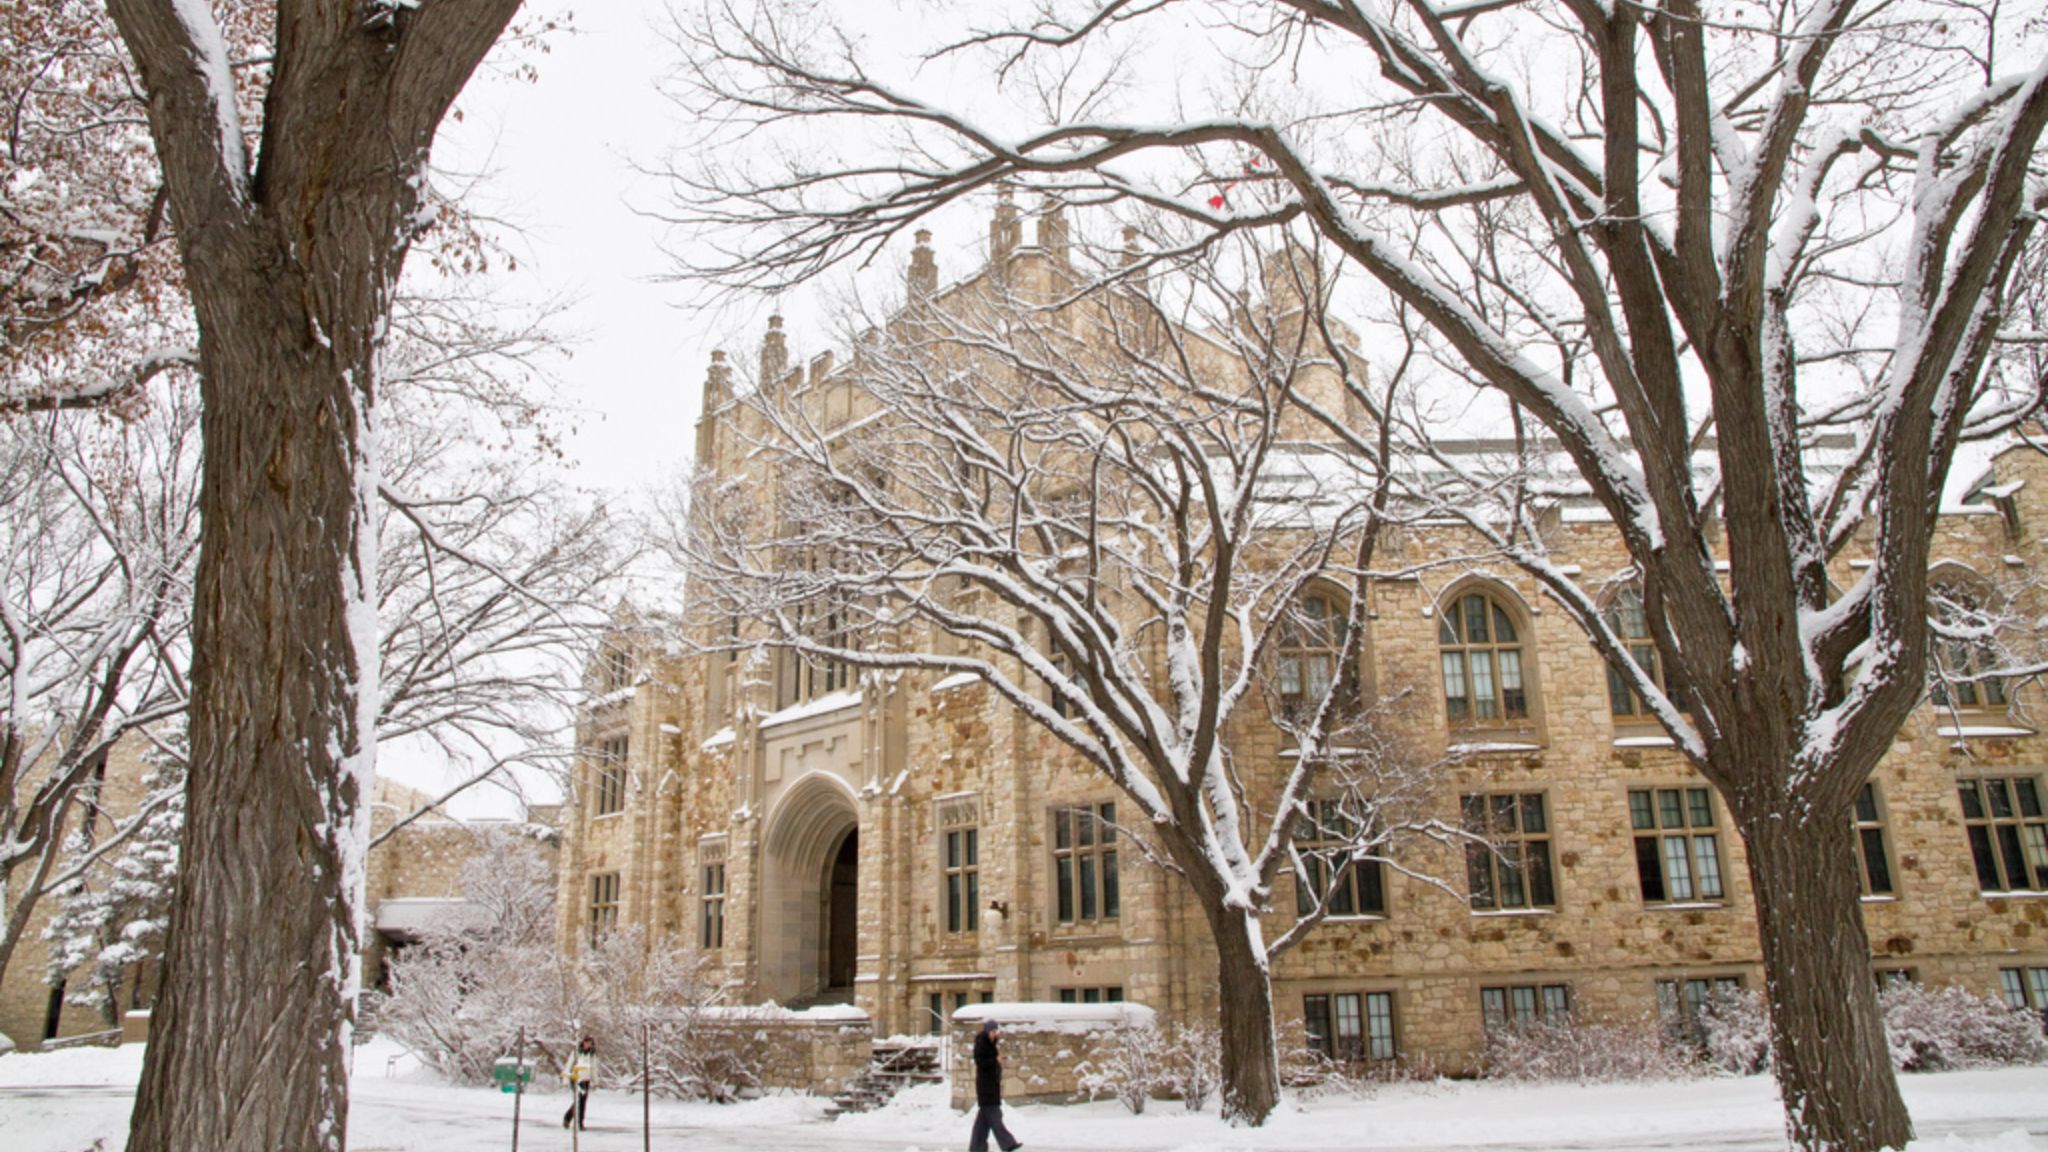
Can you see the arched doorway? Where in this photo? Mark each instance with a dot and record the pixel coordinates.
(810, 880)
(842, 906)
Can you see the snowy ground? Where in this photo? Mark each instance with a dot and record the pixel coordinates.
(68, 1101)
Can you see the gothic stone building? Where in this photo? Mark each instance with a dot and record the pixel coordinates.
(912, 843)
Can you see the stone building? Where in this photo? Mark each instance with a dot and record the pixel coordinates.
(912, 843)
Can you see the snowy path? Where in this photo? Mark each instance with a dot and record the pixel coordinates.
(66, 1101)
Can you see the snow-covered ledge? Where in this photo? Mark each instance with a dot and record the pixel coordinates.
(1043, 1045)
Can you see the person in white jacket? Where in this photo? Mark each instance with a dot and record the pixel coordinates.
(580, 1071)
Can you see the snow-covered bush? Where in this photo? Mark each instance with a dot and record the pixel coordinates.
(1585, 1052)
(1194, 1065)
(1931, 1029)
(1130, 1065)
(1735, 1024)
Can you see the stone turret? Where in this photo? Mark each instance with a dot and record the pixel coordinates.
(1004, 232)
(774, 353)
(717, 394)
(1053, 237)
(924, 270)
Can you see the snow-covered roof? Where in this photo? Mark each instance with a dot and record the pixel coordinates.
(822, 706)
(1052, 1016)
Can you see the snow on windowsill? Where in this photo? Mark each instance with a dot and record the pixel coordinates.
(1644, 742)
(1050, 1016)
(1485, 747)
(951, 977)
(1880, 899)
(1686, 906)
(1354, 918)
(2016, 894)
(823, 706)
(1496, 913)
(957, 680)
(1982, 730)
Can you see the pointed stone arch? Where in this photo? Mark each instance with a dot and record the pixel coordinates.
(804, 849)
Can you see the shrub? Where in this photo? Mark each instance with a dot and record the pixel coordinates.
(1586, 1052)
(1930, 1029)
(1735, 1026)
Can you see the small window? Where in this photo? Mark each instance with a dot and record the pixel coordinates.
(1682, 1004)
(1104, 994)
(1063, 673)
(611, 776)
(604, 905)
(1351, 1026)
(1870, 842)
(2008, 833)
(1518, 1007)
(1359, 887)
(1626, 618)
(2026, 988)
(1512, 868)
(713, 934)
(1084, 864)
(1678, 849)
(1960, 671)
(1482, 662)
(1307, 643)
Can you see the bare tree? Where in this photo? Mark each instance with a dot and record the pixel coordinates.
(1723, 230)
(1105, 505)
(291, 235)
(99, 532)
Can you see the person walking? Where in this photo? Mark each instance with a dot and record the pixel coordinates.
(581, 1070)
(988, 1093)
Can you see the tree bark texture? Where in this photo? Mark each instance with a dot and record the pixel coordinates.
(1828, 1046)
(290, 266)
(1251, 1054)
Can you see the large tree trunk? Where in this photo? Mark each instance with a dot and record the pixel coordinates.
(1251, 1059)
(1827, 1033)
(247, 1042)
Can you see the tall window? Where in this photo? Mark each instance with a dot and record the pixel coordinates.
(711, 904)
(1678, 850)
(1084, 863)
(1482, 660)
(1305, 658)
(1512, 868)
(611, 776)
(1063, 673)
(615, 668)
(1519, 1006)
(960, 861)
(2008, 834)
(604, 905)
(2026, 988)
(1681, 1006)
(1625, 616)
(1871, 854)
(1350, 1026)
(1325, 835)
(1958, 675)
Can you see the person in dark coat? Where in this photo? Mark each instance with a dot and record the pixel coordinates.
(988, 1093)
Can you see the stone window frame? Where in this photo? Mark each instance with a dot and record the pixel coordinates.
(959, 822)
(1517, 1007)
(2001, 843)
(1624, 704)
(604, 905)
(1090, 994)
(1072, 891)
(1680, 998)
(1375, 1012)
(711, 861)
(2026, 986)
(935, 1011)
(1991, 696)
(1878, 879)
(1356, 879)
(1501, 819)
(1296, 644)
(609, 772)
(1702, 871)
(1453, 642)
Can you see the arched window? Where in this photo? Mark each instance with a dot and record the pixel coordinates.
(1484, 681)
(1306, 649)
(1959, 666)
(1626, 618)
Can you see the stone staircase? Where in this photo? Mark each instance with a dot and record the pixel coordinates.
(896, 1065)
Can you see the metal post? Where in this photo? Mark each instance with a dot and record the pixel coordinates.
(518, 1085)
(646, 1096)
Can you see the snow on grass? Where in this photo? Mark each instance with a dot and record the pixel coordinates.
(63, 1101)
